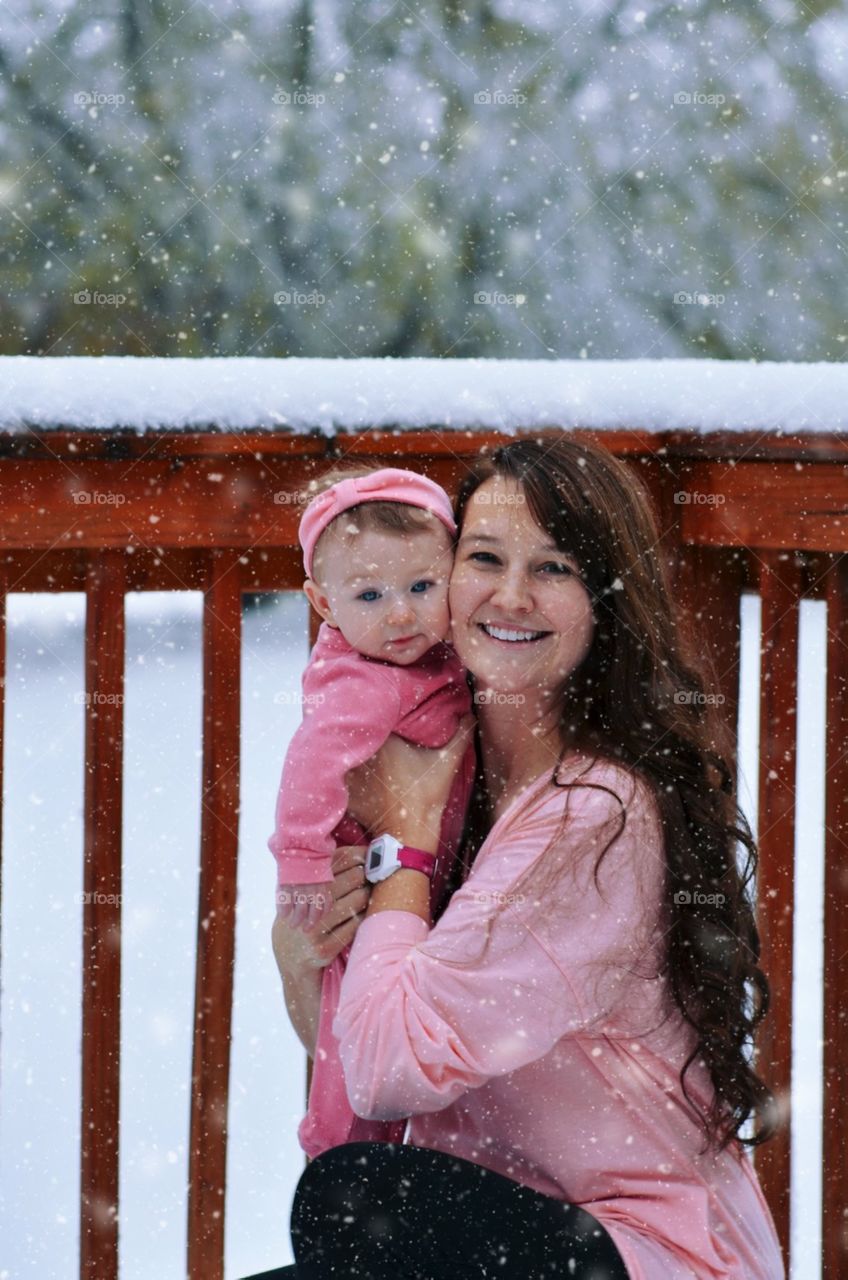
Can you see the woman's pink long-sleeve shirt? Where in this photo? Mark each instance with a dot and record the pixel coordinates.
(554, 1057)
(351, 704)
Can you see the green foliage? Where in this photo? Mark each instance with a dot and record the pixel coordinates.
(514, 181)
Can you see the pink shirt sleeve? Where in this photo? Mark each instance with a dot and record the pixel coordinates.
(417, 1028)
(350, 712)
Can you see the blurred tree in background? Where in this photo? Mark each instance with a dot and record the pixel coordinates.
(365, 178)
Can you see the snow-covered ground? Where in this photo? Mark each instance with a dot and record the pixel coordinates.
(41, 931)
(143, 392)
(42, 915)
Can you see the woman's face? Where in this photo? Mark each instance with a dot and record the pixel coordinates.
(521, 617)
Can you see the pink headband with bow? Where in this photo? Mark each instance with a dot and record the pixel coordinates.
(387, 485)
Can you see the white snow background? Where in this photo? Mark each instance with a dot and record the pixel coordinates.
(42, 921)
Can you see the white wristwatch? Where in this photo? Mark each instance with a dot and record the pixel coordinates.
(386, 855)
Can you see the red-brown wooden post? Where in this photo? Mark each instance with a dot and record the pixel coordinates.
(210, 1073)
(780, 589)
(708, 584)
(835, 1110)
(101, 956)
(3, 581)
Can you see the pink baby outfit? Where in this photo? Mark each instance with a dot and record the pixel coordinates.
(553, 1058)
(352, 704)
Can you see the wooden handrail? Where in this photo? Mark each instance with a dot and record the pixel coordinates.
(218, 512)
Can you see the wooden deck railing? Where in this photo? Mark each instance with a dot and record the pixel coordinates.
(118, 512)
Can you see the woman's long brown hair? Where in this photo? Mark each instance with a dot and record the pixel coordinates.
(640, 699)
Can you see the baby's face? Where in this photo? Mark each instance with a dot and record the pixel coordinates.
(388, 593)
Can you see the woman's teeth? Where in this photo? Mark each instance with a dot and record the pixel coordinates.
(503, 633)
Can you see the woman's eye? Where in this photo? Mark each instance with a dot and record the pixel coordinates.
(551, 566)
(368, 596)
(485, 557)
(421, 586)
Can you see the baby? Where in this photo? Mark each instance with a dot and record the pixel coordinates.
(378, 550)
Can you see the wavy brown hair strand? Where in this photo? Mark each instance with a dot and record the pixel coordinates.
(639, 698)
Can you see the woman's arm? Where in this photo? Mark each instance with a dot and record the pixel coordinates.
(403, 790)
(414, 784)
(425, 1015)
(301, 984)
(301, 956)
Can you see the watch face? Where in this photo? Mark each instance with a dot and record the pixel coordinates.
(376, 854)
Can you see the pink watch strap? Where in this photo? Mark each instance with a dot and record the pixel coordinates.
(417, 859)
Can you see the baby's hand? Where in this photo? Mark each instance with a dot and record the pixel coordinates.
(302, 905)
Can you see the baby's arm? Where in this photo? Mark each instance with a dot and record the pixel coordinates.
(351, 712)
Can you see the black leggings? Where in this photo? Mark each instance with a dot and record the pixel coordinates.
(378, 1210)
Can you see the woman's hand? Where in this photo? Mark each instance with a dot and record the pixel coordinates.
(403, 789)
(300, 904)
(296, 949)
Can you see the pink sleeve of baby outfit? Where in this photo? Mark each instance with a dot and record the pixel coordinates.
(426, 1014)
(434, 697)
(350, 708)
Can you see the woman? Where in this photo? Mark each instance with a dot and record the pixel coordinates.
(569, 1038)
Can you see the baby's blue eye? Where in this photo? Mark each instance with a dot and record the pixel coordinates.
(421, 586)
(368, 596)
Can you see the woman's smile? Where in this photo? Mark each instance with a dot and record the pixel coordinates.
(512, 635)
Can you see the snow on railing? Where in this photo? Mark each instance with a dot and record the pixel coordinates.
(300, 395)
